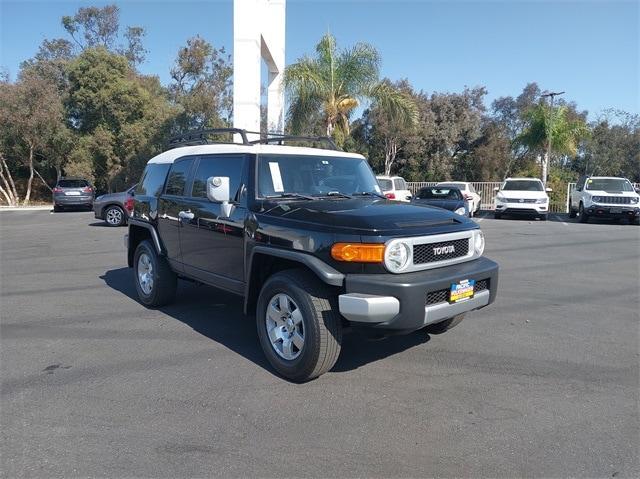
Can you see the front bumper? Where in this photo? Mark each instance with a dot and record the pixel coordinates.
(610, 211)
(405, 302)
(522, 208)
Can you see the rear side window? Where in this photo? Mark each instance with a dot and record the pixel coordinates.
(153, 179)
(177, 180)
(386, 185)
(400, 184)
(218, 165)
(73, 183)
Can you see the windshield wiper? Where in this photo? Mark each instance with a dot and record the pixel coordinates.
(370, 193)
(291, 195)
(337, 193)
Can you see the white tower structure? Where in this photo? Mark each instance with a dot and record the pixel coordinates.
(258, 34)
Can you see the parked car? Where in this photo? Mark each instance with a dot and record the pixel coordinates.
(470, 194)
(522, 196)
(114, 208)
(394, 188)
(72, 192)
(448, 198)
(267, 223)
(604, 197)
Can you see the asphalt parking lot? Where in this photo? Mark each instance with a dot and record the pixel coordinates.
(545, 382)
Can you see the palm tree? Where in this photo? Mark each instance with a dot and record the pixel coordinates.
(550, 128)
(332, 84)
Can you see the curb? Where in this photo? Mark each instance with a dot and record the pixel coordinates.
(26, 208)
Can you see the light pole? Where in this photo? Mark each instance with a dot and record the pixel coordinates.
(547, 154)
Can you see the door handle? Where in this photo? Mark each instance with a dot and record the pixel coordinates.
(185, 215)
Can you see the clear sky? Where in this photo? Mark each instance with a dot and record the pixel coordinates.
(590, 49)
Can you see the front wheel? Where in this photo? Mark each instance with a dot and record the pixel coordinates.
(156, 283)
(582, 216)
(298, 324)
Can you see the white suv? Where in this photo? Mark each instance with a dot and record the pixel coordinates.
(604, 197)
(522, 196)
(394, 188)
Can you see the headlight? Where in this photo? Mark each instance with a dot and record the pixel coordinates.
(500, 197)
(596, 199)
(542, 201)
(99, 198)
(397, 256)
(460, 211)
(478, 242)
(634, 200)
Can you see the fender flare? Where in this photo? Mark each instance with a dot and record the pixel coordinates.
(154, 234)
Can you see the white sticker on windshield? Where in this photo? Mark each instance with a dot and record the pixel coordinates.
(276, 178)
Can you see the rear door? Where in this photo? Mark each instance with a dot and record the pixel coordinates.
(172, 205)
(212, 245)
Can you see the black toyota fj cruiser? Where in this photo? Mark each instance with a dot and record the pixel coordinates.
(306, 237)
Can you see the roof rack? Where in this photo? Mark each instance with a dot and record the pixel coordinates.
(201, 137)
(281, 138)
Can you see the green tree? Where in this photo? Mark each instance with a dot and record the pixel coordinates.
(552, 129)
(333, 83)
(201, 86)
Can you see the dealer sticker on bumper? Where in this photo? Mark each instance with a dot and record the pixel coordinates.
(462, 290)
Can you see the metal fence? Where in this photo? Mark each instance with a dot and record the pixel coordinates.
(559, 200)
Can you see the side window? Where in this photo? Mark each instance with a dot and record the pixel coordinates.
(152, 179)
(218, 165)
(177, 179)
(399, 184)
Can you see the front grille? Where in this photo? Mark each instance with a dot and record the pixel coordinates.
(615, 200)
(424, 253)
(442, 295)
(520, 200)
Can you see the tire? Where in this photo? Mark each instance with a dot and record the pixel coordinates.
(572, 213)
(497, 216)
(444, 326)
(161, 289)
(635, 221)
(295, 303)
(114, 216)
(582, 216)
(57, 209)
(543, 217)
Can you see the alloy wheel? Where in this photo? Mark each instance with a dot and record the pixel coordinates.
(285, 328)
(114, 216)
(145, 273)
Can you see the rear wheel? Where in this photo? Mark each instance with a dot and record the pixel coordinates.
(444, 326)
(156, 283)
(582, 216)
(114, 216)
(298, 324)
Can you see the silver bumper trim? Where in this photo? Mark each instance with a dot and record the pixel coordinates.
(368, 308)
(441, 311)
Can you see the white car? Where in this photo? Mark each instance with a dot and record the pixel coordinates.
(469, 192)
(604, 197)
(522, 196)
(394, 188)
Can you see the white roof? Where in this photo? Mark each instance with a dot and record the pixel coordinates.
(452, 183)
(523, 178)
(607, 178)
(385, 177)
(170, 156)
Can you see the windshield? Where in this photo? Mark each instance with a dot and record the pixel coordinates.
(438, 193)
(522, 185)
(386, 185)
(609, 184)
(281, 175)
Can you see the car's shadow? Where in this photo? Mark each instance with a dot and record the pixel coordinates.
(218, 316)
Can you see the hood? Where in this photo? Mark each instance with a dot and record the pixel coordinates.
(523, 194)
(630, 194)
(450, 205)
(367, 216)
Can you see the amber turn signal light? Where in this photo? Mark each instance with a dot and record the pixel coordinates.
(358, 252)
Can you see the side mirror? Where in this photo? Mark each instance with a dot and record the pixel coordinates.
(218, 192)
(496, 189)
(548, 190)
